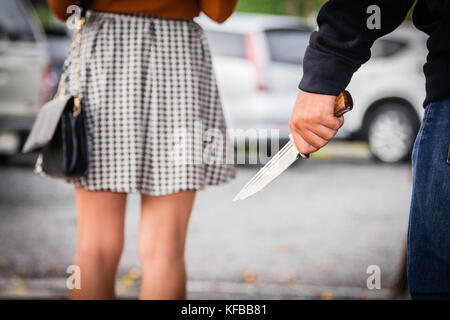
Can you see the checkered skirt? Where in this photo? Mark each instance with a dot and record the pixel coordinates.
(153, 113)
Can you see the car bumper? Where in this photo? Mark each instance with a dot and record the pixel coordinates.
(13, 131)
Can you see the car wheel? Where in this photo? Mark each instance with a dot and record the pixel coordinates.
(391, 132)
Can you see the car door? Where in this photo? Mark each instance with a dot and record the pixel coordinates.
(234, 73)
(23, 58)
(286, 47)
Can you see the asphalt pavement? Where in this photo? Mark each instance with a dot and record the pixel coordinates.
(311, 234)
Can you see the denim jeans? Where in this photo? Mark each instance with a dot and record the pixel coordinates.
(429, 223)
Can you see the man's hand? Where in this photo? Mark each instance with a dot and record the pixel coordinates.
(313, 123)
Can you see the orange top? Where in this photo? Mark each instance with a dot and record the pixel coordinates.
(217, 10)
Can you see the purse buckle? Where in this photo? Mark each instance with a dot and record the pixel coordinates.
(76, 106)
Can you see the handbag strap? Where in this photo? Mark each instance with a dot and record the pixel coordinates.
(83, 4)
(77, 39)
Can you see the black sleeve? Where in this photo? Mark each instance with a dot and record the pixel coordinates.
(344, 39)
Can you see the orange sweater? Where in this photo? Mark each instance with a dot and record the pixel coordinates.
(217, 10)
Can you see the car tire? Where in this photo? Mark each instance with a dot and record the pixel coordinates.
(391, 131)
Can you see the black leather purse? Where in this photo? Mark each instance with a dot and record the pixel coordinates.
(59, 131)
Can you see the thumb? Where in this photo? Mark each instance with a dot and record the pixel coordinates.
(340, 121)
(333, 122)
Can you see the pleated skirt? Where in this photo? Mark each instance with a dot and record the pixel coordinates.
(154, 118)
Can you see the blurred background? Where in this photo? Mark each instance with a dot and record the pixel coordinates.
(311, 234)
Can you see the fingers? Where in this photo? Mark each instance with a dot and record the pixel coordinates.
(303, 146)
(313, 123)
(323, 132)
(330, 121)
(341, 122)
(312, 138)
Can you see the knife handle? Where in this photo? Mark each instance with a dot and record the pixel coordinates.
(343, 104)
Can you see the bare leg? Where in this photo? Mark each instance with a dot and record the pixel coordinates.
(162, 237)
(99, 242)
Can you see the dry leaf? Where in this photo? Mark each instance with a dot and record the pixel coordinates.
(249, 276)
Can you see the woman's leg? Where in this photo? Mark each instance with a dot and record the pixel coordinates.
(162, 237)
(100, 241)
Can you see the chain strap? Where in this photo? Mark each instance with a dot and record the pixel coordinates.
(77, 39)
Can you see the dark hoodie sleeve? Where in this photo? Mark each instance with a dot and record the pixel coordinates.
(344, 39)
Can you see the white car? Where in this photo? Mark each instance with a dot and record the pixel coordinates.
(258, 59)
(26, 78)
(388, 92)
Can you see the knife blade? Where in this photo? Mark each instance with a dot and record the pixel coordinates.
(287, 155)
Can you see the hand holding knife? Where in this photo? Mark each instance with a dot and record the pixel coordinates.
(287, 155)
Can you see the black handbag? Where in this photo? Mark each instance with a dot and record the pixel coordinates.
(59, 131)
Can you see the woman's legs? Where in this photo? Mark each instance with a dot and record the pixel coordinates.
(162, 237)
(100, 241)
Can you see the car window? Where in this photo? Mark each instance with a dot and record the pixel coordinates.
(386, 48)
(14, 24)
(226, 43)
(287, 45)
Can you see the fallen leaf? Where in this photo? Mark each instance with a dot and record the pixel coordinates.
(17, 286)
(249, 277)
(327, 295)
(284, 249)
(130, 277)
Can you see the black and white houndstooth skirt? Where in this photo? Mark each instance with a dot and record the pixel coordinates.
(154, 118)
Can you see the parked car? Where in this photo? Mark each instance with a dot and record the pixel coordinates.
(25, 73)
(258, 64)
(389, 91)
(59, 38)
(257, 59)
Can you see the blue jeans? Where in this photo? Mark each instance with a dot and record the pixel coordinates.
(429, 222)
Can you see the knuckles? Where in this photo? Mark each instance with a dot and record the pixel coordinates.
(300, 121)
(329, 136)
(293, 125)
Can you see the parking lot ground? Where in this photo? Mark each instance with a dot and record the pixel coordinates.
(312, 233)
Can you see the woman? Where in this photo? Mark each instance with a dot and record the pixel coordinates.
(146, 82)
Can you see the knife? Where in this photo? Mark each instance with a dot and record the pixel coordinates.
(287, 155)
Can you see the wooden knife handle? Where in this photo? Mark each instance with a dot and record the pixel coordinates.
(343, 104)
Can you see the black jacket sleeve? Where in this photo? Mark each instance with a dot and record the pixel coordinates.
(344, 39)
